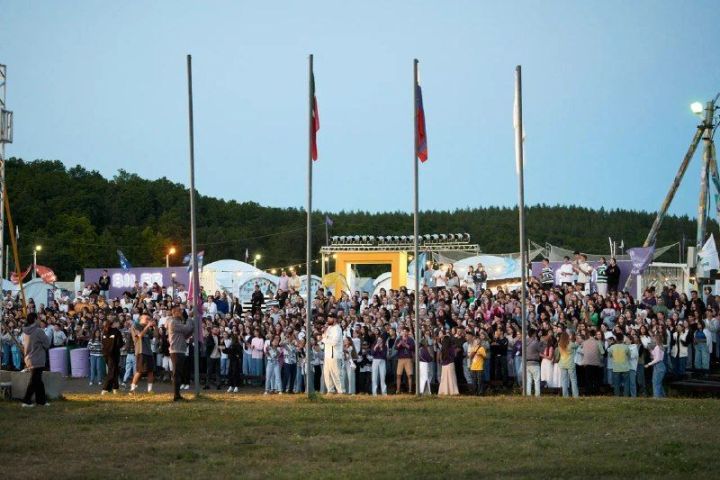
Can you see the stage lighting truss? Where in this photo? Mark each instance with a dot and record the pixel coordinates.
(427, 242)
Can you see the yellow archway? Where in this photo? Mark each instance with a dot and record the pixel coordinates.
(398, 262)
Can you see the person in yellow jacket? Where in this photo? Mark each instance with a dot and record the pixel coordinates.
(477, 355)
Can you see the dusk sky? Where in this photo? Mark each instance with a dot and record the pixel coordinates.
(607, 89)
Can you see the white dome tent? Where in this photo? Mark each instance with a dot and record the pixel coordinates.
(233, 276)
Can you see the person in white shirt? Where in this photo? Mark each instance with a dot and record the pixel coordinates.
(333, 340)
(440, 278)
(283, 282)
(583, 270)
(566, 274)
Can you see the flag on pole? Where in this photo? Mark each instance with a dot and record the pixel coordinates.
(328, 221)
(200, 258)
(124, 264)
(14, 277)
(708, 258)
(195, 298)
(47, 275)
(516, 126)
(640, 258)
(420, 133)
(315, 118)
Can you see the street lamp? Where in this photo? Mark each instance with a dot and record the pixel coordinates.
(35, 250)
(697, 108)
(167, 257)
(255, 260)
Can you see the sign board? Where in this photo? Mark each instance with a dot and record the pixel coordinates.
(122, 281)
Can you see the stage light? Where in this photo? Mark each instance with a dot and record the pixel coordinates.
(443, 236)
(356, 239)
(403, 238)
(334, 238)
(435, 237)
(426, 237)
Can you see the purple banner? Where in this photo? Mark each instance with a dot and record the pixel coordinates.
(122, 281)
(640, 258)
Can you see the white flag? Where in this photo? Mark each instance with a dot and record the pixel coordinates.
(516, 126)
(708, 258)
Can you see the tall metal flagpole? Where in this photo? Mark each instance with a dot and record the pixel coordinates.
(308, 258)
(416, 232)
(193, 245)
(519, 162)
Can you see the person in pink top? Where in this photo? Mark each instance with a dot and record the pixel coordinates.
(257, 348)
(658, 364)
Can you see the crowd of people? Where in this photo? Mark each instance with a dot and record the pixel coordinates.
(583, 337)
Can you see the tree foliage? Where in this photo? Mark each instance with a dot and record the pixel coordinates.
(82, 218)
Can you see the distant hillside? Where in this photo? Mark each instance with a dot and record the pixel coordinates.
(82, 218)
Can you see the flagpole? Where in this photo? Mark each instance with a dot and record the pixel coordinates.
(416, 232)
(519, 161)
(308, 258)
(195, 278)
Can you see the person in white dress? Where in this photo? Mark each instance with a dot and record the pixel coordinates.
(333, 341)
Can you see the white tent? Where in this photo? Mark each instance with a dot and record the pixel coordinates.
(38, 290)
(229, 275)
(8, 286)
(498, 267)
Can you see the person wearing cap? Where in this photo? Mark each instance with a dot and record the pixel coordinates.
(332, 338)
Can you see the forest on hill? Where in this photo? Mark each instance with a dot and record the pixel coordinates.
(81, 219)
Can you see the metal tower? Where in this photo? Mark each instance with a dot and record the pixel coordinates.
(6, 136)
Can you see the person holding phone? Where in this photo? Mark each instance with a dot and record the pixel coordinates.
(141, 332)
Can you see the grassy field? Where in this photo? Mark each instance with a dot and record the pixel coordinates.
(250, 436)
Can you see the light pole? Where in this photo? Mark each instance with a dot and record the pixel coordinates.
(173, 285)
(255, 260)
(35, 250)
(167, 257)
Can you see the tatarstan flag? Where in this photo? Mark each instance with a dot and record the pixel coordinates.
(420, 134)
(315, 120)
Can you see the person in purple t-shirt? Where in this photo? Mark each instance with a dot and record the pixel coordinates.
(405, 347)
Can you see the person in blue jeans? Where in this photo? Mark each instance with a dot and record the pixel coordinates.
(620, 354)
(658, 364)
(95, 350)
(702, 340)
(273, 383)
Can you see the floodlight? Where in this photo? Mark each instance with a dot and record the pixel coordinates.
(696, 108)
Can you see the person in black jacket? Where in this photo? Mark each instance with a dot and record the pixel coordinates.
(234, 353)
(104, 284)
(257, 300)
(112, 342)
(213, 349)
(613, 275)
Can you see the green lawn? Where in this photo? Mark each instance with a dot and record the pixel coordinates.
(250, 436)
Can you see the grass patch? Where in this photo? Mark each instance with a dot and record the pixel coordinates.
(254, 436)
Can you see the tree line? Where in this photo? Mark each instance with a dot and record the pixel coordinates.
(81, 218)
